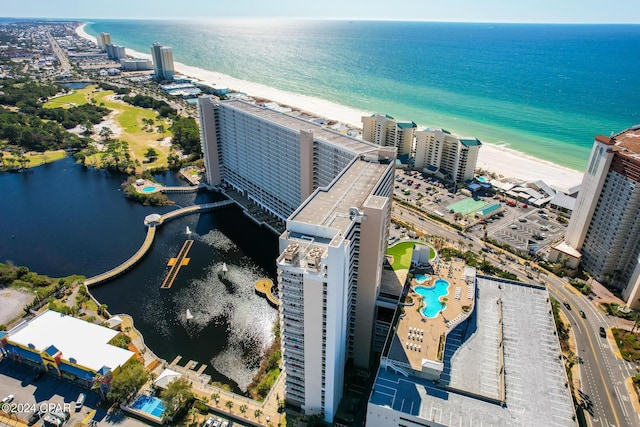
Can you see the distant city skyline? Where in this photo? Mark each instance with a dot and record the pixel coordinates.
(542, 11)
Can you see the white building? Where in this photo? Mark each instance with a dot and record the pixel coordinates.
(335, 191)
(115, 52)
(162, 62)
(136, 64)
(604, 230)
(386, 131)
(452, 156)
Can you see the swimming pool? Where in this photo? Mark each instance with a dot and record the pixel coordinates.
(432, 296)
(149, 189)
(421, 278)
(149, 404)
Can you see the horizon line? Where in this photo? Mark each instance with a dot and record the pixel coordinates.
(289, 18)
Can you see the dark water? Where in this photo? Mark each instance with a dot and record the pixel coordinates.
(61, 219)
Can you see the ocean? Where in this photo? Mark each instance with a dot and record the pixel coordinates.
(545, 90)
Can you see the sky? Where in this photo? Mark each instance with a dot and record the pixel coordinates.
(547, 11)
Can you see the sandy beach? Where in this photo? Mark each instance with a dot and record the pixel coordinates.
(504, 162)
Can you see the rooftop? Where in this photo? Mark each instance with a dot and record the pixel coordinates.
(320, 133)
(534, 376)
(330, 206)
(77, 340)
(628, 141)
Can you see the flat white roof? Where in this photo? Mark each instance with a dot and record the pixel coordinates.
(82, 341)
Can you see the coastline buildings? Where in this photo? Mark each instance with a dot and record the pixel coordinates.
(103, 40)
(162, 57)
(438, 152)
(66, 347)
(334, 193)
(136, 64)
(386, 131)
(604, 231)
(115, 52)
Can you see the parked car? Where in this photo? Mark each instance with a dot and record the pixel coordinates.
(80, 401)
(522, 219)
(209, 422)
(33, 418)
(603, 332)
(8, 399)
(513, 226)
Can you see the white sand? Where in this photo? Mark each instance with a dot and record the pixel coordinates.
(502, 161)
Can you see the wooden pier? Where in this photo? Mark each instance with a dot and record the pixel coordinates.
(176, 264)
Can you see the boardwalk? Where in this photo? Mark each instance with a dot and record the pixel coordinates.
(151, 232)
(263, 287)
(176, 264)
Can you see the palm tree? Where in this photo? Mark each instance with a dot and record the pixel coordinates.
(193, 412)
(216, 397)
(257, 413)
(229, 405)
(243, 409)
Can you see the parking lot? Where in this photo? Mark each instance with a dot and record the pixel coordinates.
(53, 395)
(523, 227)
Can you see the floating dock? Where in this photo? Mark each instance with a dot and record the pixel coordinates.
(176, 264)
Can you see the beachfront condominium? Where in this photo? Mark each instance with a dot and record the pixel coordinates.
(103, 40)
(162, 57)
(604, 231)
(451, 157)
(334, 192)
(386, 131)
(115, 52)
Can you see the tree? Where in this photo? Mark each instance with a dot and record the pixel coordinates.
(177, 393)
(243, 409)
(161, 129)
(229, 405)
(151, 153)
(106, 133)
(127, 380)
(257, 413)
(216, 397)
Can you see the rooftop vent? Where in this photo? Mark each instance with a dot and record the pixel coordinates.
(290, 252)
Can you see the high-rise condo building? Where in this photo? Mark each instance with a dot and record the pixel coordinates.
(334, 192)
(386, 131)
(455, 158)
(162, 57)
(115, 52)
(604, 230)
(103, 40)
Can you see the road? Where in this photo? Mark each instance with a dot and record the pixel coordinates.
(602, 375)
(65, 67)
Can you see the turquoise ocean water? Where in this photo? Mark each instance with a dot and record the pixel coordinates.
(545, 90)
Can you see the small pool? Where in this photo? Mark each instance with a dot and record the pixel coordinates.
(432, 296)
(149, 404)
(421, 278)
(481, 179)
(149, 189)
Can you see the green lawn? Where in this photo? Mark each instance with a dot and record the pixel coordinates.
(75, 98)
(128, 117)
(37, 159)
(402, 252)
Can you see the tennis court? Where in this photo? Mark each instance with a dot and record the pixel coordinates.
(467, 206)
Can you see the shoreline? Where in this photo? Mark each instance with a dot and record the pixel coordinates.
(505, 163)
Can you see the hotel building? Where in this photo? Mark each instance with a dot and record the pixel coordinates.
(441, 153)
(162, 57)
(385, 131)
(66, 347)
(334, 192)
(115, 52)
(103, 40)
(479, 362)
(604, 231)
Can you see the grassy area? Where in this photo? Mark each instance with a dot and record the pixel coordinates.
(37, 159)
(402, 252)
(628, 344)
(128, 119)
